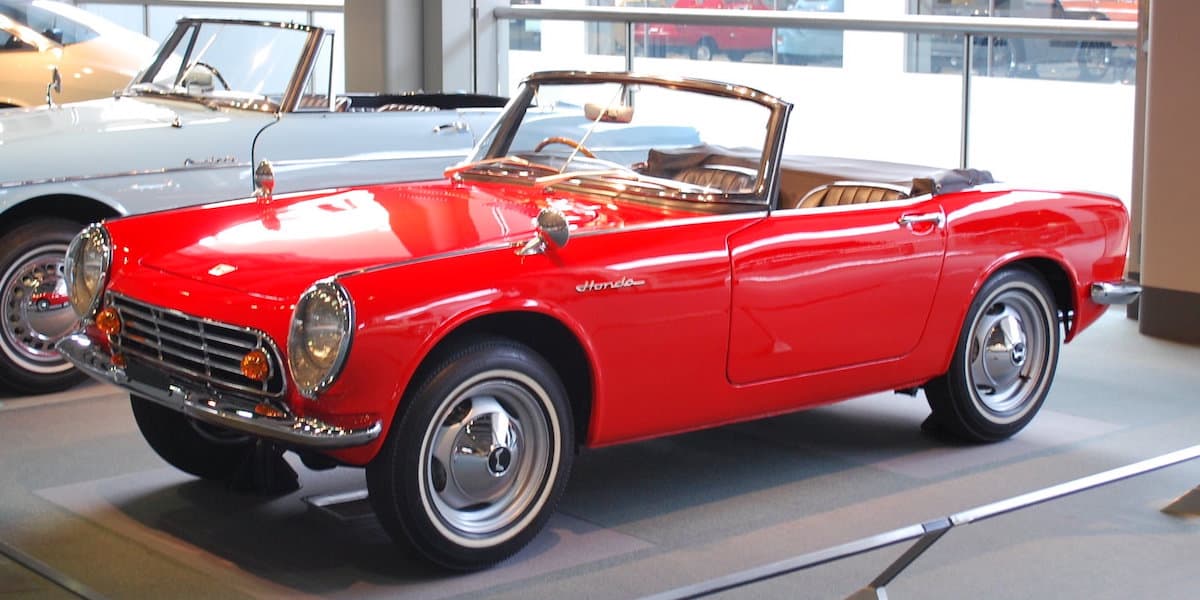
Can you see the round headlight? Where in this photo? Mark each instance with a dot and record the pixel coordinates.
(320, 337)
(86, 268)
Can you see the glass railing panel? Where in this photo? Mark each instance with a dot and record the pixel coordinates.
(1054, 132)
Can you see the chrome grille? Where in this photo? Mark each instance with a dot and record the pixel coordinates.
(197, 348)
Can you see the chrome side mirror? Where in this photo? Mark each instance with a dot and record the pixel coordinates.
(55, 86)
(553, 232)
(264, 181)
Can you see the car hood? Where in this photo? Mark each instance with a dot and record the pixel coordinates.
(277, 249)
(78, 140)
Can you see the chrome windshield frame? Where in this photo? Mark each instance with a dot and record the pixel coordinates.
(187, 26)
(499, 137)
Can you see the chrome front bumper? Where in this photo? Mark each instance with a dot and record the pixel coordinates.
(1115, 292)
(211, 408)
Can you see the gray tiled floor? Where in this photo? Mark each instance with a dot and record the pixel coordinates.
(80, 491)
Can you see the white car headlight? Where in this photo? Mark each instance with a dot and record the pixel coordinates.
(320, 337)
(86, 267)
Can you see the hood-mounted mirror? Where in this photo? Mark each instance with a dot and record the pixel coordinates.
(54, 86)
(264, 181)
(553, 232)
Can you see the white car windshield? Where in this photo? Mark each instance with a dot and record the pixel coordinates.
(633, 130)
(228, 63)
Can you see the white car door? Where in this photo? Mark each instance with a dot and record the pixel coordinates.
(313, 150)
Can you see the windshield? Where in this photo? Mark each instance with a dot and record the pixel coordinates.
(239, 64)
(658, 137)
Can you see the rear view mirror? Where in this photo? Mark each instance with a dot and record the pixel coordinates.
(609, 114)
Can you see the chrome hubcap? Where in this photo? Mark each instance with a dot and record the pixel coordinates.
(35, 310)
(488, 456)
(1008, 354)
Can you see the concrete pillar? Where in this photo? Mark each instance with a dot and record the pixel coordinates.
(431, 45)
(1170, 258)
(383, 45)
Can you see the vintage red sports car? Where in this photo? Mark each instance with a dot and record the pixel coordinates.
(446, 336)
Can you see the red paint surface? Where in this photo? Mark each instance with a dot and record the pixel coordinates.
(687, 320)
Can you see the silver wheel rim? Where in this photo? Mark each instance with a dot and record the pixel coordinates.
(1009, 353)
(704, 52)
(489, 457)
(34, 312)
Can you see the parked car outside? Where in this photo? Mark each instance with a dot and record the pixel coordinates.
(461, 339)
(703, 42)
(193, 127)
(809, 46)
(1023, 57)
(93, 56)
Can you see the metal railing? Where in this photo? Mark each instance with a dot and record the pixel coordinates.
(925, 534)
(968, 27)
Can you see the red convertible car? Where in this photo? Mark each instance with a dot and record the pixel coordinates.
(568, 287)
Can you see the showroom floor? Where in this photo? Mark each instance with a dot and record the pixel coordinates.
(85, 497)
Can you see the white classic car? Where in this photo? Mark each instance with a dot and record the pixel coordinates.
(93, 55)
(220, 100)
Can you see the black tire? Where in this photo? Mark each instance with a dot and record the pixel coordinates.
(1094, 60)
(989, 395)
(31, 266)
(736, 55)
(200, 449)
(1005, 58)
(706, 49)
(469, 510)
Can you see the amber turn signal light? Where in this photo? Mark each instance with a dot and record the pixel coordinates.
(266, 410)
(118, 360)
(256, 365)
(108, 321)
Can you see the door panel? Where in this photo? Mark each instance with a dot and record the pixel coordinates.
(827, 288)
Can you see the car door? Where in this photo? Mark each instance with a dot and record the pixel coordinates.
(312, 150)
(825, 288)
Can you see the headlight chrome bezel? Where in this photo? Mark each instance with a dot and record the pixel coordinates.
(312, 379)
(94, 237)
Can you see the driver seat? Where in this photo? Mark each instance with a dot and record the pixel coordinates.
(727, 178)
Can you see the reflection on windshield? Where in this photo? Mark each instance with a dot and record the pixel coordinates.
(627, 137)
(243, 65)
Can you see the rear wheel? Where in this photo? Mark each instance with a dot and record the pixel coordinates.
(1004, 361)
(1094, 60)
(200, 449)
(34, 311)
(705, 50)
(476, 464)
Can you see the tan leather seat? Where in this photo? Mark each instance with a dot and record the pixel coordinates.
(340, 103)
(727, 178)
(405, 108)
(842, 193)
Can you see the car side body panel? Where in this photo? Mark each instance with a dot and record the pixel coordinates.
(651, 303)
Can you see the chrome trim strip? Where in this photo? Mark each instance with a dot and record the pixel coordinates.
(212, 408)
(1115, 292)
(749, 216)
(77, 178)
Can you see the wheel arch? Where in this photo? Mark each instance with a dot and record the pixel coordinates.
(73, 207)
(546, 335)
(1057, 275)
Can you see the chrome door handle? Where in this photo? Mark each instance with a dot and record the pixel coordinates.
(457, 126)
(907, 220)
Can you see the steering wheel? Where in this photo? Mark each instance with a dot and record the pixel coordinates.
(211, 69)
(566, 142)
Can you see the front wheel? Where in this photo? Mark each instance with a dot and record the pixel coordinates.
(475, 466)
(200, 449)
(1004, 361)
(34, 308)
